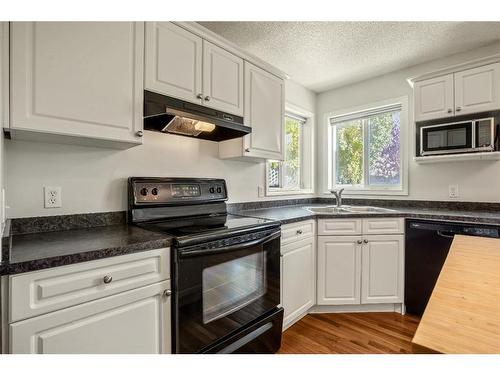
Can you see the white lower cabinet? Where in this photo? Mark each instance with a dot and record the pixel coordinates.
(339, 270)
(117, 305)
(137, 321)
(363, 269)
(298, 273)
(382, 267)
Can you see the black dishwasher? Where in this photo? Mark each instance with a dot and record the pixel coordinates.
(426, 248)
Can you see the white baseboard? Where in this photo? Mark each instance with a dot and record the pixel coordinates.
(376, 307)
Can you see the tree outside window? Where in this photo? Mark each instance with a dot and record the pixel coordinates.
(367, 149)
(286, 174)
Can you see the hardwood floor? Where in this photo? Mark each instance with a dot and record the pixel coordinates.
(356, 333)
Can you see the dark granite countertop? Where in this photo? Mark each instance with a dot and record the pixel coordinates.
(291, 214)
(37, 243)
(35, 251)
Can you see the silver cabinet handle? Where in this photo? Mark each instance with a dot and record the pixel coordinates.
(247, 150)
(359, 242)
(139, 133)
(450, 110)
(299, 231)
(365, 241)
(107, 279)
(207, 98)
(167, 293)
(199, 96)
(459, 109)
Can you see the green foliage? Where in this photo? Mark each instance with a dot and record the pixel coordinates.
(350, 153)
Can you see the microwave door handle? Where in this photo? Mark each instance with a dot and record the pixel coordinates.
(196, 251)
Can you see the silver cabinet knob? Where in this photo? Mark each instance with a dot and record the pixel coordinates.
(459, 109)
(107, 279)
(167, 293)
(450, 110)
(139, 133)
(207, 98)
(199, 96)
(299, 231)
(359, 242)
(365, 241)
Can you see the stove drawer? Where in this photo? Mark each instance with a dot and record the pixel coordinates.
(297, 231)
(40, 292)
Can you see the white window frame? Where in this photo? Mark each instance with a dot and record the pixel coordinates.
(401, 189)
(306, 171)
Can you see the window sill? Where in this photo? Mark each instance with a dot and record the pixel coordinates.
(270, 193)
(370, 192)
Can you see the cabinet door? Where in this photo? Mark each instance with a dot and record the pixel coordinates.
(383, 267)
(222, 79)
(4, 74)
(264, 113)
(173, 61)
(434, 98)
(339, 270)
(79, 79)
(298, 278)
(137, 321)
(478, 89)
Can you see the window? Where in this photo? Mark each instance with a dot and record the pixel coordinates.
(366, 149)
(293, 174)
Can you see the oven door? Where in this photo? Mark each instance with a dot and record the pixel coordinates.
(447, 138)
(221, 290)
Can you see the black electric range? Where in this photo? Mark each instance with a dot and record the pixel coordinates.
(225, 268)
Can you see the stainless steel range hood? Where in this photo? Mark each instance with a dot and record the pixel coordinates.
(169, 115)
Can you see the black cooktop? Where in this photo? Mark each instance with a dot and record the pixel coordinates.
(209, 227)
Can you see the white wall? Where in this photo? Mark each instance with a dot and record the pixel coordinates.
(94, 179)
(477, 180)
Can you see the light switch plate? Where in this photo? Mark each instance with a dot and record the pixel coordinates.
(52, 196)
(453, 191)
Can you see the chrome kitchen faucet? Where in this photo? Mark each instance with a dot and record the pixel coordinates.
(338, 196)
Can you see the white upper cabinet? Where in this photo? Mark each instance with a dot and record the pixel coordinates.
(382, 269)
(173, 61)
(4, 74)
(477, 89)
(82, 80)
(434, 98)
(458, 93)
(264, 113)
(183, 65)
(222, 79)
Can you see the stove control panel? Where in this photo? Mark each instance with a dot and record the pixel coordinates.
(175, 190)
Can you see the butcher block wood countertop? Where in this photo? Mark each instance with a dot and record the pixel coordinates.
(463, 313)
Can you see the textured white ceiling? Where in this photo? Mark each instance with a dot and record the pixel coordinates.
(325, 55)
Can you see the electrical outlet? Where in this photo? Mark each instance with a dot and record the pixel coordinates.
(453, 191)
(260, 191)
(52, 196)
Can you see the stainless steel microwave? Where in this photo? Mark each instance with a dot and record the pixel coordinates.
(458, 137)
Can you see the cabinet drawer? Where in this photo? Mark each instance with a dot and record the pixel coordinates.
(40, 292)
(328, 227)
(386, 225)
(297, 231)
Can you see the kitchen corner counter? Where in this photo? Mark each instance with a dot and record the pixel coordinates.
(463, 313)
(35, 251)
(291, 214)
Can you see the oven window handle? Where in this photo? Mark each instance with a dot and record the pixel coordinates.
(241, 246)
